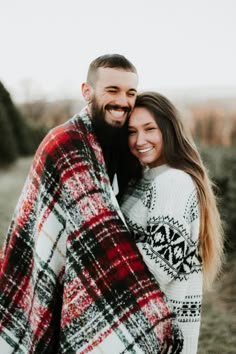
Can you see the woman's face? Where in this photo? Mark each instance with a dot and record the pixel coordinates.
(145, 138)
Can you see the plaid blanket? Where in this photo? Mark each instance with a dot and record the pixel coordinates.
(72, 280)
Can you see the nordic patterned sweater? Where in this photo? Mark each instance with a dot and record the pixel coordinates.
(72, 279)
(162, 213)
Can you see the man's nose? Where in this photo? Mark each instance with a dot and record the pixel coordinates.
(121, 99)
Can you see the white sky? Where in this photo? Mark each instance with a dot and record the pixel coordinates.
(47, 45)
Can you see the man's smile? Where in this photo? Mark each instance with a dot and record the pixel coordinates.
(117, 114)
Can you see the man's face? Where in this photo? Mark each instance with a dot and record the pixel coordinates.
(113, 95)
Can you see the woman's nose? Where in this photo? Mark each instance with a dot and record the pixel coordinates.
(140, 139)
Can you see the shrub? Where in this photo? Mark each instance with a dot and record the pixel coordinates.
(8, 147)
(18, 125)
(37, 133)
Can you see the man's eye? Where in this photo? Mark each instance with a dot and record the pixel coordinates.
(131, 94)
(131, 132)
(112, 91)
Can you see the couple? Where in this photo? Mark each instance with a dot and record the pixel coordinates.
(72, 277)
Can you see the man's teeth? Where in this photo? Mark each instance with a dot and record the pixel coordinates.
(145, 150)
(117, 114)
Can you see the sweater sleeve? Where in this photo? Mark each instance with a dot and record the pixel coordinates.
(170, 242)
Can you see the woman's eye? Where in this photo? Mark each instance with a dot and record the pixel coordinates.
(131, 132)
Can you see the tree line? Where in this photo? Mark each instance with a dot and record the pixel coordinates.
(18, 136)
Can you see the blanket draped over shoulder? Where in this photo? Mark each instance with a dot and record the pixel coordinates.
(72, 279)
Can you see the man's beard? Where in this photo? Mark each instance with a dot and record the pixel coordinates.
(108, 135)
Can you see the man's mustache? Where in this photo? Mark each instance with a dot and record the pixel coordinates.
(117, 107)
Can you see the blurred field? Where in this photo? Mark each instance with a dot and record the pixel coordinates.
(218, 328)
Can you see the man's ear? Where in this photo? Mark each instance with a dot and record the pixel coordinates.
(86, 91)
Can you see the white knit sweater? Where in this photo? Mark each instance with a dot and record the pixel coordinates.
(162, 213)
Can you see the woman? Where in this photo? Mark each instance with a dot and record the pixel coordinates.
(171, 210)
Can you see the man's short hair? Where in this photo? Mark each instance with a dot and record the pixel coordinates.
(108, 61)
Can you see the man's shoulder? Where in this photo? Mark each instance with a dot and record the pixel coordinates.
(78, 125)
(67, 136)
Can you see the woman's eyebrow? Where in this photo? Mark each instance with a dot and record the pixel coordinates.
(143, 125)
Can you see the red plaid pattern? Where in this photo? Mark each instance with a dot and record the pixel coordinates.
(72, 279)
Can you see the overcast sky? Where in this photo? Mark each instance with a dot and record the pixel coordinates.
(47, 45)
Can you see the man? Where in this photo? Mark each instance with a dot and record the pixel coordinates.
(111, 95)
(72, 280)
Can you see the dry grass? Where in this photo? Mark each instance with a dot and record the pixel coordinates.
(218, 328)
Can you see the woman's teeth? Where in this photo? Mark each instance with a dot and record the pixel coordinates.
(145, 150)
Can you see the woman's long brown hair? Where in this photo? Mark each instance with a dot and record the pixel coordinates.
(180, 152)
